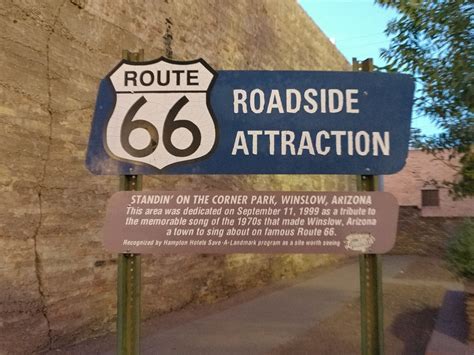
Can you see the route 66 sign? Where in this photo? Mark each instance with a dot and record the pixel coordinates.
(161, 114)
(171, 117)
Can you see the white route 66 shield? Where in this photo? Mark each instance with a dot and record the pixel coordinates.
(162, 114)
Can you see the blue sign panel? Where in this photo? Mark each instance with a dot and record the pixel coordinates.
(168, 117)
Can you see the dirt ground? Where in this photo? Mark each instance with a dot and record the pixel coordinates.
(411, 303)
(409, 316)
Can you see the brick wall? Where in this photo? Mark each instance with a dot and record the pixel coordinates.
(57, 284)
(420, 169)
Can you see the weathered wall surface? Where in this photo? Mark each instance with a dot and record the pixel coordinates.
(57, 284)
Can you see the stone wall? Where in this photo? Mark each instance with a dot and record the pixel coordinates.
(57, 284)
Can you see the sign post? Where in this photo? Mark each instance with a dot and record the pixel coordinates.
(371, 304)
(129, 271)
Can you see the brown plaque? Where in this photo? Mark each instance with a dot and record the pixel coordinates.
(250, 222)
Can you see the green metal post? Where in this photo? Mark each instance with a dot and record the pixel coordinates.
(129, 273)
(371, 303)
